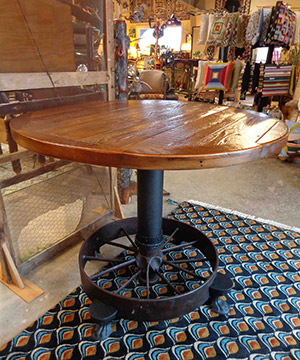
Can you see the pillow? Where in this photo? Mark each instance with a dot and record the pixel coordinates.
(216, 76)
(203, 30)
(217, 32)
(200, 74)
(210, 22)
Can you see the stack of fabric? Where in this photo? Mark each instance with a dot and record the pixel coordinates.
(276, 80)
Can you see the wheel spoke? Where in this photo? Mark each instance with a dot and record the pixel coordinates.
(116, 267)
(189, 260)
(168, 282)
(179, 246)
(170, 237)
(134, 276)
(128, 237)
(96, 258)
(121, 246)
(184, 270)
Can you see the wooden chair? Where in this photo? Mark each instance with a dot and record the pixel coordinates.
(154, 84)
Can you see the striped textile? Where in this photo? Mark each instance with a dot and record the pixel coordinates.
(276, 80)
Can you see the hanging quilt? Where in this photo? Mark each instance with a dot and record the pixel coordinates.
(282, 26)
(254, 27)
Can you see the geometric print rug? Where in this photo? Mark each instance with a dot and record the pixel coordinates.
(262, 259)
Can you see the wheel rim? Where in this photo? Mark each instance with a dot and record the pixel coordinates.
(149, 307)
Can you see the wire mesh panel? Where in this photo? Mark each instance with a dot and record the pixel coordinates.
(46, 209)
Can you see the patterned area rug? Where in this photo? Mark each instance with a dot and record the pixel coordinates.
(263, 322)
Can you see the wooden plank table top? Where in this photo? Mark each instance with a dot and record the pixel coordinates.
(151, 134)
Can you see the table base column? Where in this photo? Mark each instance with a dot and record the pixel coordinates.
(159, 274)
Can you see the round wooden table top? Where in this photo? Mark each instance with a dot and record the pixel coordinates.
(150, 134)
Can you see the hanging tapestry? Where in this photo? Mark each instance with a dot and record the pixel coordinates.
(217, 76)
(246, 6)
(242, 24)
(266, 17)
(276, 80)
(219, 4)
(181, 10)
(282, 26)
(232, 30)
(163, 9)
(147, 8)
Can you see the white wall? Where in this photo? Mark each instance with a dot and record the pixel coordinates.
(255, 3)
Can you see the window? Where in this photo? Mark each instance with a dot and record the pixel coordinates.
(171, 39)
(260, 54)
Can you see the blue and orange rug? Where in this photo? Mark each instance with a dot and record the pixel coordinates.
(263, 322)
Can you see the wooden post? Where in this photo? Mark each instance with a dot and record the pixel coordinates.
(9, 271)
(89, 47)
(121, 79)
(13, 147)
(121, 55)
(109, 46)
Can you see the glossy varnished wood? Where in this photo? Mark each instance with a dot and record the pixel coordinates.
(150, 134)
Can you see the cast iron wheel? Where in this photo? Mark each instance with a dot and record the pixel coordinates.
(146, 270)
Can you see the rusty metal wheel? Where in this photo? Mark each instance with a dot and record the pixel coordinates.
(156, 284)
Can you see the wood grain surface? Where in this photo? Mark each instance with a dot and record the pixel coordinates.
(50, 24)
(151, 134)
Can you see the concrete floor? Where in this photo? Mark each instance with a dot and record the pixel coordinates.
(267, 188)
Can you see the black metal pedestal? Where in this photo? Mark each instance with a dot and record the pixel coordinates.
(147, 259)
(149, 235)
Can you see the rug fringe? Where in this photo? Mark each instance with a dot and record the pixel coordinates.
(247, 216)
